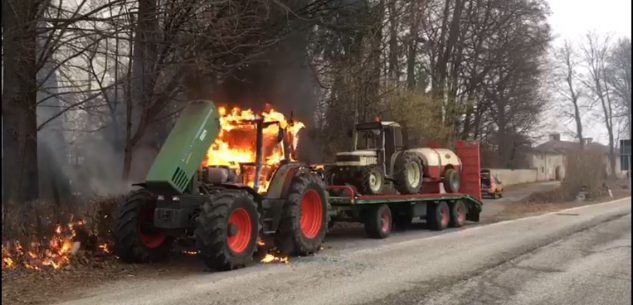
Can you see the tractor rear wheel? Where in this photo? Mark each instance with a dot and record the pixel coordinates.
(136, 240)
(372, 181)
(227, 229)
(378, 221)
(304, 219)
(408, 173)
(438, 216)
(451, 181)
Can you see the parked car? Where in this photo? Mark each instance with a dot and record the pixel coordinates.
(490, 185)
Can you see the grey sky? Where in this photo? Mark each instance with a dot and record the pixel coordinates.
(570, 20)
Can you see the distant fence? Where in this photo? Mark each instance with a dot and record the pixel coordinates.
(515, 176)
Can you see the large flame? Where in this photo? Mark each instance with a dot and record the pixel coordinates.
(235, 146)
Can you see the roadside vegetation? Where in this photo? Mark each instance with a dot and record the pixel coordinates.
(585, 176)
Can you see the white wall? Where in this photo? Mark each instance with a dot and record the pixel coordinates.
(514, 176)
(547, 165)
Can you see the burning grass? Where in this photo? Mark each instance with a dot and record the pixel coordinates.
(36, 242)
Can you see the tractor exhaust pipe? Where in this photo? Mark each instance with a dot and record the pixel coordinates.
(259, 153)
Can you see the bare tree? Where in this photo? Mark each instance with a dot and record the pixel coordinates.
(619, 63)
(596, 51)
(566, 84)
(19, 30)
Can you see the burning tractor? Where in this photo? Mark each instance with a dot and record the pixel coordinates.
(380, 158)
(228, 182)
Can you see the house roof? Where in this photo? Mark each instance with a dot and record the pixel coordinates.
(564, 147)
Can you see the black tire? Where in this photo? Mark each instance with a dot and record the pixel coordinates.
(438, 216)
(458, 214)
(328, 176)
(213, 230)
(378, 221)
(452, 181)
(290, 238)
(372, 181)
(135, 238)
(404, 183)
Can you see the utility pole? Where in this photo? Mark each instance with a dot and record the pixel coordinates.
(625, 159)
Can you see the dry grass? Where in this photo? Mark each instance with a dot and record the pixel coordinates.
(585, 170)
(530, 208)
(36, 221)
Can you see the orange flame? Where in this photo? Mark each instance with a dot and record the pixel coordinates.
(56, 253)
(236, 143)
(271, 258)
(275, 257)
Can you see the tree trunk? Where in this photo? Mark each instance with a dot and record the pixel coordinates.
(578, 124)
(612, 155)
(19, 128)
(142, 80)
(394, 72)
(412, 46)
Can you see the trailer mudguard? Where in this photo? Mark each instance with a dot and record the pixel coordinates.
(474, 209)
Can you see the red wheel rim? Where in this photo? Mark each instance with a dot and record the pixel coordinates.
(461, 213)
(240, 223)
(445, 215)
(150, 239)
(311, 214)
(386, 222)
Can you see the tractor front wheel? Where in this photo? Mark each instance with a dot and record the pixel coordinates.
(227, 229)
(136, 240)
(304, 220)
(372, 181)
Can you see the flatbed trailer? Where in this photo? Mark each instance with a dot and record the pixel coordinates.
(440, 210)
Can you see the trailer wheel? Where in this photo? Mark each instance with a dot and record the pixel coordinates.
(458, 214)
(408, 174)
(136, 240)
(451, 181)
(305, 216)
(378, 221)
(438, 216)
(227, 229)
(372, 181)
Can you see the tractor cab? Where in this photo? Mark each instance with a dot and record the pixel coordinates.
(378, 135)
(374, 143)
(378, 159)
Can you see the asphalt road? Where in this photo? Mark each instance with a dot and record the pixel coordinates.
(576, 256)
